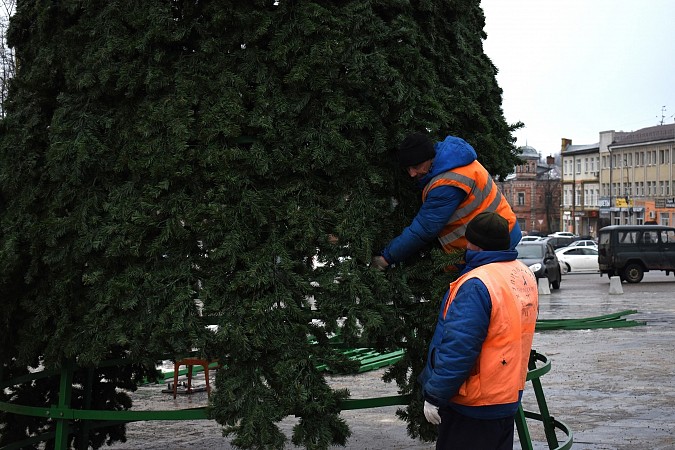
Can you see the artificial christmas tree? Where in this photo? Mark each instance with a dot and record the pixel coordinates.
(165, 164)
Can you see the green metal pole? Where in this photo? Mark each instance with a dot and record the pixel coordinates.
(523, 431)
(65, 393)
(547, 420)
(86, 424)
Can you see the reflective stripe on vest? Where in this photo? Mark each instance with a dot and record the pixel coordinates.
(501, 368)
(482, 194)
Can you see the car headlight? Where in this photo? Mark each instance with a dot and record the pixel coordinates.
(535, 267)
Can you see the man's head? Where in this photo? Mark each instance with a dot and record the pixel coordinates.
(415, 154)
(489, 231)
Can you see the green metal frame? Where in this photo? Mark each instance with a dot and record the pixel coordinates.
(549, 422)
(613, 320)
(63, 414)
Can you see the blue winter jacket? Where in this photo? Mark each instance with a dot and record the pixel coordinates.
(458, 339)
(440, 204)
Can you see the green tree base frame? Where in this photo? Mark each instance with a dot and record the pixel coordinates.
(62, 414)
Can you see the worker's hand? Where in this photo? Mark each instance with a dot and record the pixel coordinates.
(379, 263)
(431, 413)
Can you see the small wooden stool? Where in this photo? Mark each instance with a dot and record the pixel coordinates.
(190, 362)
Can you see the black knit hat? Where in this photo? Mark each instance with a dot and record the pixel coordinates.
(415, 149)
(489, 231)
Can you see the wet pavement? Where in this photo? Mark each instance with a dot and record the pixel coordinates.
(614, 388)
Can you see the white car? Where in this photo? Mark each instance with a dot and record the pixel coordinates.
(584, 243)
(530, 238)
(578, 259)
(562, 234)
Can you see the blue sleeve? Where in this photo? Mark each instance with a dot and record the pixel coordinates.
(464, 331)
(440, 204)
(516, 235)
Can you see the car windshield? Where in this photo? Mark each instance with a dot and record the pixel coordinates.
(530, 251)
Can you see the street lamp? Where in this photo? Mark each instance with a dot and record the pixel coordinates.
(550, 160)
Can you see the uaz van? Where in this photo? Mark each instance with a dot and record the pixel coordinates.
(631, 250)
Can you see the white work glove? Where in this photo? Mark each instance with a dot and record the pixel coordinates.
(431, 413)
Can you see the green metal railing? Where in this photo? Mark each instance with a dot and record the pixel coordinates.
(614, 320)
(63, 414)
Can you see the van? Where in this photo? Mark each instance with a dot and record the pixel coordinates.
(631, 250)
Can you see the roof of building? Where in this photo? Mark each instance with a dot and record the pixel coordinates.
(649, 134)
(528, 152)
(588, 148)
(551, 172)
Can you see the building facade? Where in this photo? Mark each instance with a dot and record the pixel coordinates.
(533, 191)
(580, 209)
(627, 178)
(637, 177)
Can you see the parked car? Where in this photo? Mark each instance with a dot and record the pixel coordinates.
(563, 234)
(560, 241)
(584, 243)
(540, 257)
(631, 250)
(529, 238)
(578, 259)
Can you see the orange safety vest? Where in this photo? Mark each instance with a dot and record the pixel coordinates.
(482, 194)
(501, 368)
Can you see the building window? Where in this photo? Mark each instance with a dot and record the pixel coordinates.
(521, 198)
(664, 219)
(567, 196)
(664, 156)
(579, 167)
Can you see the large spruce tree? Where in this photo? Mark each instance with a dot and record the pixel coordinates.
(160, 156)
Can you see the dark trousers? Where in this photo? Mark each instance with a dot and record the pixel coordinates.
(458, 432)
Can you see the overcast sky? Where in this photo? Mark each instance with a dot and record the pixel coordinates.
(573, 68)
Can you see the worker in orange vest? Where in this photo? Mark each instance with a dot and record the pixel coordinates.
(477, 361)
(455, 188)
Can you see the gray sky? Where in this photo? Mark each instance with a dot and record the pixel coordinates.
(573, 68)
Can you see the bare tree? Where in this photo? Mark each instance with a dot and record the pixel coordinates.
(7, 59)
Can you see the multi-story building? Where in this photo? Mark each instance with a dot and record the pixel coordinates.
(533, 190)
(637, 177)
(580, 207)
